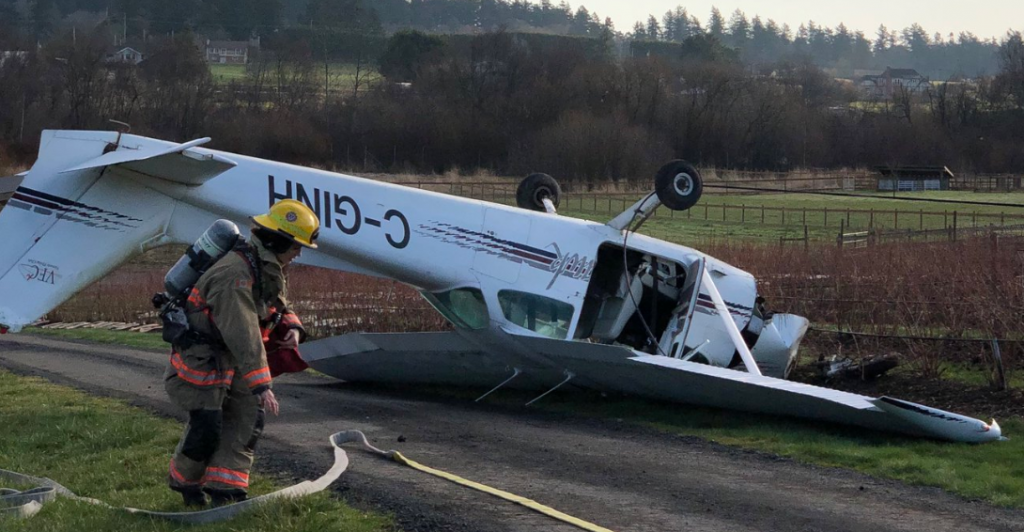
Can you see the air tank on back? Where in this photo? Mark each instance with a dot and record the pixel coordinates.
(214, 244)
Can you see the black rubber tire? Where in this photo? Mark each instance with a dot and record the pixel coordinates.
(534, 188)
(679, 185)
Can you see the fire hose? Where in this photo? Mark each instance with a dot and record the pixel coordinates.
(27, 503)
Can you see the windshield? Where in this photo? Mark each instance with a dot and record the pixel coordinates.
(464, 307)
(540, 314)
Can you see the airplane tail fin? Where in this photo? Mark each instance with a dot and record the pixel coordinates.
(84, 208)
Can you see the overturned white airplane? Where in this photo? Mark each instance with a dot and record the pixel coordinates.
(537, 300)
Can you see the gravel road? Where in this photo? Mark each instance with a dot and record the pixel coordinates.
(605, 471)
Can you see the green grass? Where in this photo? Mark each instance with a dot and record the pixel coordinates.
(972, 376)
(222, 74)
(785, 215)
(130, 339)
(105, 449)
(992, 472)
(343, 75)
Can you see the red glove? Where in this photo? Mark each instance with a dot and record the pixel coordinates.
(282, 346)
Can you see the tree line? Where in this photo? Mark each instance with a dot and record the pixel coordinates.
(515, 103)
(841, 49)
(760, 42)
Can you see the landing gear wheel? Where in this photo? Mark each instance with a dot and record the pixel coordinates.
(534, 189)
(679, 185)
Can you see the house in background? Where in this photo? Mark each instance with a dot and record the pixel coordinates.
(124, 54)
(229, 52)
(890, 81)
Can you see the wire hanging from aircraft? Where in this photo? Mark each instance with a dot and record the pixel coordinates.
(631, 227)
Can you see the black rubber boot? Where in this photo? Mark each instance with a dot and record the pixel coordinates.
(220, 497)
(193, 496)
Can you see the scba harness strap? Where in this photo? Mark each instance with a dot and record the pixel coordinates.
(185, 337)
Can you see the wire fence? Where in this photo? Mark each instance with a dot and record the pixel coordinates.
(814, 223)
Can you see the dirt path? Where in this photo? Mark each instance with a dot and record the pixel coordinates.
(618, 476)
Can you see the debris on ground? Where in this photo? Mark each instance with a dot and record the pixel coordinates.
(867, 368)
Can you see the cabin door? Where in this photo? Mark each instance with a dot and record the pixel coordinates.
(673, 340)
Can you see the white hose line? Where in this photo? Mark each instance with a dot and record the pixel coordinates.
(27, 503)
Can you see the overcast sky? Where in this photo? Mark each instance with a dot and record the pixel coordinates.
(985, 18)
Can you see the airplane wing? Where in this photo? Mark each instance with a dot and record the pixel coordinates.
(447, 358)
(409, 358)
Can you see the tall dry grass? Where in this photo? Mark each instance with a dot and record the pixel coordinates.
(970, 289)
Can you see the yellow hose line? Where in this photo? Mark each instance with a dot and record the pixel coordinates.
(529, 503)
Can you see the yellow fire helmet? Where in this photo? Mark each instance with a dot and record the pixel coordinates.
(291, 219)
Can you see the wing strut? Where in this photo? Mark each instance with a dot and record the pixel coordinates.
(730, 325)
(498, 387)
(568, 377)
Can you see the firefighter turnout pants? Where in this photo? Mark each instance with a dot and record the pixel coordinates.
(224, 423)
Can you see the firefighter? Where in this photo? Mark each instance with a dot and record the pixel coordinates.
(220, 374)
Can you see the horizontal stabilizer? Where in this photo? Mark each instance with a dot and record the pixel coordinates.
(179, 163)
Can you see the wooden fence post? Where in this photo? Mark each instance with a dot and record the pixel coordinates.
(871, 221)
(762, 214)
(842, 230)
(922, 220)
(807, 240)
(743, 213)
(998, 372)
(896, 218)
(723, 212)
(826, 216)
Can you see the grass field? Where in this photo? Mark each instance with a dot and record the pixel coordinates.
(770, 216)
(107, 450)
(138, 340)
(343, 75)
(223, 74)
(991, 472)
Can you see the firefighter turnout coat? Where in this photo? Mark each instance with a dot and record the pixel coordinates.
(218, 379)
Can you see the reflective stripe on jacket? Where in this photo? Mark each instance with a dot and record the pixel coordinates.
(225, 305)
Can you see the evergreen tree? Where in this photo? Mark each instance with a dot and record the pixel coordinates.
(653, 28)
(881, 42)
(639, 31)
(739, 29)
(45, 16)
(716, 23)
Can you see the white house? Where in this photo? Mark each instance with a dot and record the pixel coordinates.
(125, 54)
(886, 84)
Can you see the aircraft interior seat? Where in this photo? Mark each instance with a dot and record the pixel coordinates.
(618, 308)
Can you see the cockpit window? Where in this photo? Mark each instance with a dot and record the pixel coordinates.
(540, 314)
(464, 307)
